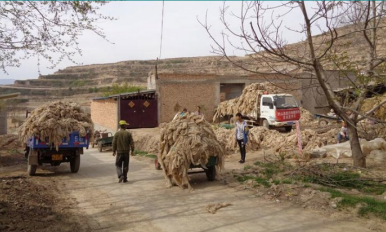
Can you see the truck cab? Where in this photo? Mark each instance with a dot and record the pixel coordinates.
(275, 110)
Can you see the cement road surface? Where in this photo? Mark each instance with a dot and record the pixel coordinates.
(145, 204)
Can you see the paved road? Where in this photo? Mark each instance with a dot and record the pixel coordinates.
(144, 204)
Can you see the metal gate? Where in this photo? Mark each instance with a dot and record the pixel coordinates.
(140, 110)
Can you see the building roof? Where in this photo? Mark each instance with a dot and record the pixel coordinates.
(125, 95)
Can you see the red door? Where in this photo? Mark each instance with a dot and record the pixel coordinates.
(139, 111)
(130, 111)
(149, 113)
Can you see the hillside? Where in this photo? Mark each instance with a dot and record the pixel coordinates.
(88, 79)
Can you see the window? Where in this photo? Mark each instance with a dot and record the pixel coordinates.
(285, 102)
(267, 101)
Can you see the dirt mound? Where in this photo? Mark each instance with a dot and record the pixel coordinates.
(56, 121)
(9, 141)
(26, 206)
(188, 140)
(146, 140)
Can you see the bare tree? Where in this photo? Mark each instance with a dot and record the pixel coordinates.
(263, 30)
(48, 30)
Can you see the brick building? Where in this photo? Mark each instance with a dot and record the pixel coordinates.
(205, 90)
(139, 109)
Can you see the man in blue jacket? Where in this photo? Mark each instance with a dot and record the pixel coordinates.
(241, 135)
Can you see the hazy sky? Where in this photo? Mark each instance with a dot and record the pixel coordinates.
(136, 34)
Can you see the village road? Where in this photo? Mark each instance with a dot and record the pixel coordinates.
(145, 204)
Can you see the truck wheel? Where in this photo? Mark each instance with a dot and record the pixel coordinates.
(265, 123)
(31, 169)
(100, 147)
(323, 123)
(288, 128)
(211, 173)
(75, 163)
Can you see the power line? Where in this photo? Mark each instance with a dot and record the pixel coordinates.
(162, 29)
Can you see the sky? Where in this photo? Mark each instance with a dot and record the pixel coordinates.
(136, 35)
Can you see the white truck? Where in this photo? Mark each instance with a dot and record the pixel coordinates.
(273, 111)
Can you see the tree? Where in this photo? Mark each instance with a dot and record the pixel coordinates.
(48, 30)
(263, 31)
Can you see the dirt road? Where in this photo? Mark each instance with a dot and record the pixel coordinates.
(144, 204)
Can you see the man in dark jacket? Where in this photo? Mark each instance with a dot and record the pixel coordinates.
(122, 145)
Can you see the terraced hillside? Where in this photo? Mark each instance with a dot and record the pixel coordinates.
(87, 79)
(136, 72)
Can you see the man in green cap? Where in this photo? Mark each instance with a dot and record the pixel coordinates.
(122, 145)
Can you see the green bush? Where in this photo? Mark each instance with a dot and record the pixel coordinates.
(118, 89)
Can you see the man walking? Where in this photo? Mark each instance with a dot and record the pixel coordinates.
(241, 135)
(122, 145)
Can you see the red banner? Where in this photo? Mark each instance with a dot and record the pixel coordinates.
(284, 115)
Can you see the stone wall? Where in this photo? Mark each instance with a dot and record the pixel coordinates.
(104, 113)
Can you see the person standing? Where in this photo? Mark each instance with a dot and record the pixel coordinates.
(241, 135)
(122, 145)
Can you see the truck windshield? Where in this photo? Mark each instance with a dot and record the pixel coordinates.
(285, 102)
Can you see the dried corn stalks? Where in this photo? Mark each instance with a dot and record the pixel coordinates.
(188, 140)
(260, 137)
(246, 103)
(56, 121)
(212, 208)
(306, 118)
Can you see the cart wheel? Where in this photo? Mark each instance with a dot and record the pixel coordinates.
(211, 173)
(157, 165)
(75, 163)
(288, 128)
(100, 147)
(31, 169)
(323, 123)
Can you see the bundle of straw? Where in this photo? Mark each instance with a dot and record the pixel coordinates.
(188, 140)
(55, 121)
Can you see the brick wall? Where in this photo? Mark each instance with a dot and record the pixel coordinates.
(104, 113)
(187, 95)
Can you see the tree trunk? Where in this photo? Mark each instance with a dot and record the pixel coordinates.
(359, 160)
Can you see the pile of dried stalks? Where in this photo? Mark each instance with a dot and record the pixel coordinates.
(369, 103)
(56, 121)
(188, 140)
(261, 137)
(306, 118)
(212, 208)
(244, 104)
